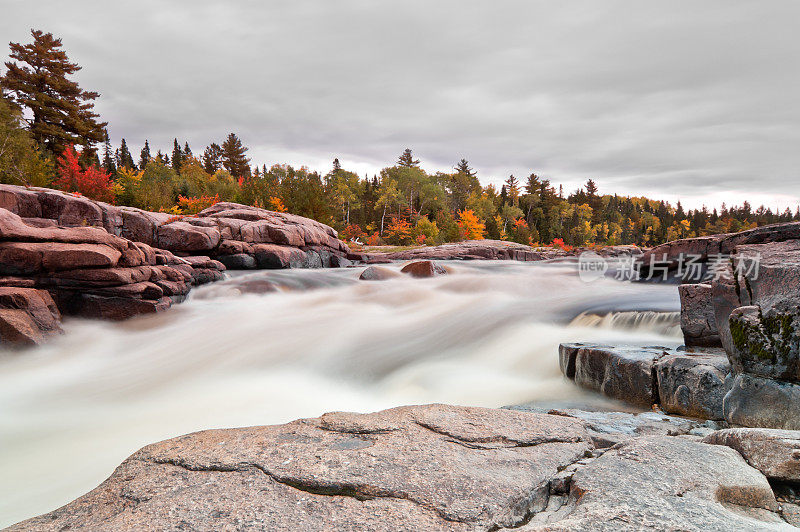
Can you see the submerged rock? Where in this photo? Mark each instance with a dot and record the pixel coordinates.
(423, 268)
(377, 273)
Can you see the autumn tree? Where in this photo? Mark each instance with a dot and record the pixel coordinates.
(38, 78)
(512, 189)
(92, 182)
(470, 227)
(233, 157)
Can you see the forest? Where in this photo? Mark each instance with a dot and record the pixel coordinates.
(51, 136)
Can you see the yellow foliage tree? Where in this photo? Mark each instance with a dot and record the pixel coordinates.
(470, 227)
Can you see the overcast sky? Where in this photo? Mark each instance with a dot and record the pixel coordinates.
(691, 100)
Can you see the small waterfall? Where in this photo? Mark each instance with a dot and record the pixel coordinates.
(664, 323)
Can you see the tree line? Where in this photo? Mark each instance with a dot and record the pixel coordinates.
(51, 136)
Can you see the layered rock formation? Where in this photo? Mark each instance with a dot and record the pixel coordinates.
(87, 258)
(432, 467)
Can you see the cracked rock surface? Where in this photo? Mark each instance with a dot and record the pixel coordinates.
(432, 467)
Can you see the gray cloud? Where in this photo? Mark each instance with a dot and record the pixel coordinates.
(679, 99)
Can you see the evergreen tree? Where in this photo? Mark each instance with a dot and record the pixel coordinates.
(38, 79)
(407, 159)
(336, 165)
(212, 158)
(108, 158)
(145, 156)
(187, 151)
(233, 157)
(177, 156)
(125, 159)
(512, 189)
(463, 168)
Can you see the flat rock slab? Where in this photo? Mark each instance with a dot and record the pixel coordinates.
(758, 402)
(433, 467)
(411, 468)
(774, 452)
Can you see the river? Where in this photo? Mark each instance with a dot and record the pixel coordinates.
(485, 334)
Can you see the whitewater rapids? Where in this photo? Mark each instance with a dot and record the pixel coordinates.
(486, 334)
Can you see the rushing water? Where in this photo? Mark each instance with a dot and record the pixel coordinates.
(486, 334)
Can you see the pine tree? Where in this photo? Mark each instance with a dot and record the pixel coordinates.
(336, 165)
(144, 156)
(233, 157)
(212, 158)
(407, 159)
(125, 159)
(108, 158)
(512, 184)
(62, 112)
(463, 168)
(187, 151)
(177, 156)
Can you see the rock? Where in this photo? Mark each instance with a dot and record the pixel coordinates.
(182, 236)
(377, 273)
(25, 258)
(238, 261)
(776, 453)
(27, 316)
(430, 467)
(698, 322)
(665, 483)
(114, 308)
(758, 402)
(624, 373)
(610, 428)
(272, 256)
(423, 268)
(693, 384)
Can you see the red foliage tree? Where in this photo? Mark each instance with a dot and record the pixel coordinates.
(92, 182)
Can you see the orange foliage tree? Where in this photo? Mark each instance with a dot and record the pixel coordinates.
(92, 182)
(399, 231)
(196, 204)
(276, 204)
(469, 226)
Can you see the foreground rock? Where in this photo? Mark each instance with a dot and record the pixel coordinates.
(377, 273)
(776, 453)
(432, 467)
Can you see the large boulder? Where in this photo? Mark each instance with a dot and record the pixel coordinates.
(377, 273)
(754, 401)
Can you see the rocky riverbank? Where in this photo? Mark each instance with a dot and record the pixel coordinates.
(440, 467)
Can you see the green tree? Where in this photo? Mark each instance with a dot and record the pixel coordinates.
(212, 158)
(407, 160)
(21, 162)
(124, 157)
(145, 156)
(177, 156)
(109, 165)
(233, 157)
(38, 79)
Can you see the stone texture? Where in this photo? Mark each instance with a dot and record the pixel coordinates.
(698, 321)
(624, 373)
(664, 483)
(758, 402)
(411, 468)
(433, 467)
(423, 268)
(377, 273)
(776, 453)
(693, 384)
(27, 316)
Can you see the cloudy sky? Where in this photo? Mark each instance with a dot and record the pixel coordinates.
(698, 101)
